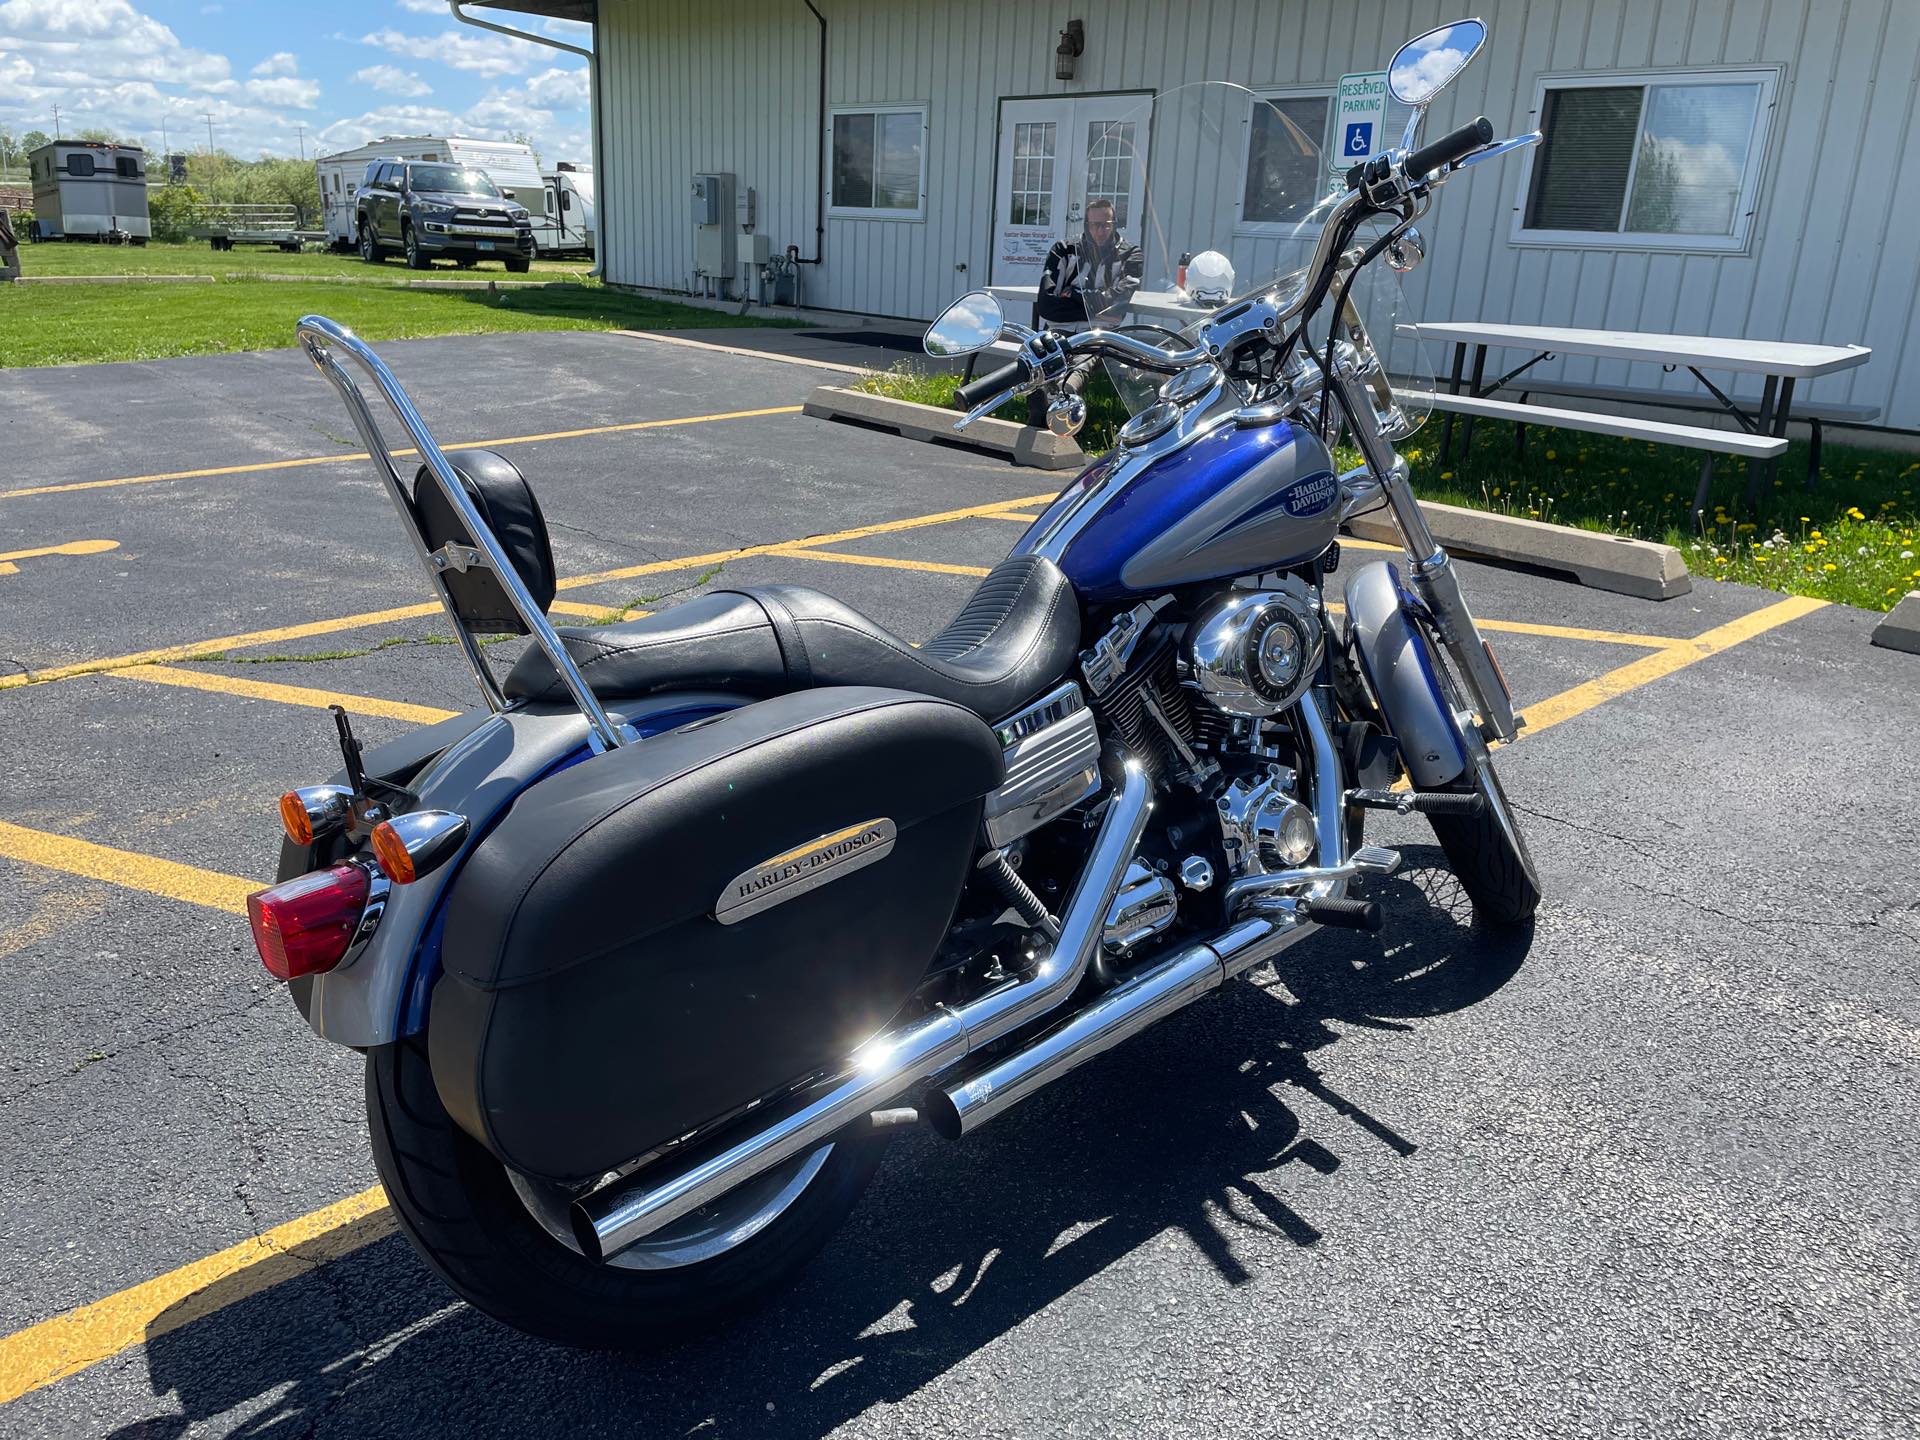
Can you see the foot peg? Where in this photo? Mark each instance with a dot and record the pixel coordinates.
(1424, 802)
(1344, 914)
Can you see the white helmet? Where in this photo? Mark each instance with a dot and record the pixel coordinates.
(1210, 277)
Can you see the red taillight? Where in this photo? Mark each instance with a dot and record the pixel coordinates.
(306, 925)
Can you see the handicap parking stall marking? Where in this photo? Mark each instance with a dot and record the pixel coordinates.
(10, 560)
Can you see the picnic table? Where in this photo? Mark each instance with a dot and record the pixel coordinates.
(1781, 363)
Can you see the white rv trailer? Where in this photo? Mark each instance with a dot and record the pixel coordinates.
(89, 189)
(568, 226)
(513, 167)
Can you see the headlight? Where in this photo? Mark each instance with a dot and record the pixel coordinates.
(438, 212)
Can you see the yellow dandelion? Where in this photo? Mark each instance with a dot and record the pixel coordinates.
(1829, 567)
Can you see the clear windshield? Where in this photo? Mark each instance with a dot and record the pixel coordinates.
(1230, 191)
(452, 179)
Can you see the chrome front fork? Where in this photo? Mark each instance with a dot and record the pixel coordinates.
(1432, 579)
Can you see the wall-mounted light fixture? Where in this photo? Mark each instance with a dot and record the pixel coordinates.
(1073, 44)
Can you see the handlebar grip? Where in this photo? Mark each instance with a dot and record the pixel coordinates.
(1005, 378)
(1455, 145)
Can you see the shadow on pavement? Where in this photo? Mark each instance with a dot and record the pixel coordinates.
(955, 1245)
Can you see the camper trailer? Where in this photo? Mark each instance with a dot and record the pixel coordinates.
(513, 167)
(89, 190)
(568, 226)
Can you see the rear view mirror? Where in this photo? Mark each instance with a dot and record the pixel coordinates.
(971, 323)
(1428, 63)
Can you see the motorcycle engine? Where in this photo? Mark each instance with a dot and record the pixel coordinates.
(1253, 653)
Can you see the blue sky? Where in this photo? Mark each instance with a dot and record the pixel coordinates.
(346, 70)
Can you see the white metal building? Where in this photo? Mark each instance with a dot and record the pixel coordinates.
(1797, 119)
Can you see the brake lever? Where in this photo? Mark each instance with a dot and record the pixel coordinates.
(1500, 147)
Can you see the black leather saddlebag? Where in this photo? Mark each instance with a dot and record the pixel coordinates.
(506, 502)
(664, 933)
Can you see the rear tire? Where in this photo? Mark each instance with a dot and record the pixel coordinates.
(459, 1207)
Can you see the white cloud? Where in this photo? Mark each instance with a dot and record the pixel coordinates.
(392, 80)
(285, 90)
(283, 62)
(561, 89)
(574, 32)
(88, 42)
(426, 7)
(488, 56)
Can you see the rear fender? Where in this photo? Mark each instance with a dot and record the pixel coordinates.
(381, 994)
(1399, 667)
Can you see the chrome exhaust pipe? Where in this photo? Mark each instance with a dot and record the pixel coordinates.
(608, 1220)
(1162, 988)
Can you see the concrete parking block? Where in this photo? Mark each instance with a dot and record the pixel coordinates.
(1644, 568)
(1027, 445)
(1901, 629)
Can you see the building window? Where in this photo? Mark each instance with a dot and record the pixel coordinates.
(879, 163)
(1110, 158)
(1286, 158)
(79, 164)
(1668, 162)
(1035, 149)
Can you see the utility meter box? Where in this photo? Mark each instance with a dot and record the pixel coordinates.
(755, 251)
(713, 227)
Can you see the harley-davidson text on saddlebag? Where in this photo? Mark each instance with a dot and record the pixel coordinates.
(671, 930)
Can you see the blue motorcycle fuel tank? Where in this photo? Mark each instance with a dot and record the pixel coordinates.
(1237, 501)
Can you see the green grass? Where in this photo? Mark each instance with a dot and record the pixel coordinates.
(1854, 538)
(1105, 414)
(199, 258)
(82, 325)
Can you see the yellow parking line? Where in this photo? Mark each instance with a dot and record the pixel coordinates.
(263, 466)
(1024, 517)
(48, 1352)
(54, 1349)
(1615, 683)
(886, 562)
(814, 542)
(125, 868)
(285, 694)
(1576, 632)
(574, 582)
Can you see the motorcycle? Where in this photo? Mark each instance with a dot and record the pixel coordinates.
(651, 955)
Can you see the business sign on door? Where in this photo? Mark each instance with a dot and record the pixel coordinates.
(1359, 120)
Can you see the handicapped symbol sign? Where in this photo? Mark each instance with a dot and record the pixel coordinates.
(1359, 139)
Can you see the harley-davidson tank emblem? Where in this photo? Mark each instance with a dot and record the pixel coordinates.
(776, 881)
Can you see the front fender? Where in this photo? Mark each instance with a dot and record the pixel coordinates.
(1399, 667)
(380, 995)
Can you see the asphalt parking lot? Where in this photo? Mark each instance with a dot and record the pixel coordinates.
(1653, 1172)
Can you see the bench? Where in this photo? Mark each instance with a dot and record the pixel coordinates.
(1658, 432)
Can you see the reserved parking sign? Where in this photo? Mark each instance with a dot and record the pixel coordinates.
(1360, 120)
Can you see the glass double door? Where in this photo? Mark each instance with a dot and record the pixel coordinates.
(1056, 155)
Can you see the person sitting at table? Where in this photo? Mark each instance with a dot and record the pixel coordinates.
(1088, 279)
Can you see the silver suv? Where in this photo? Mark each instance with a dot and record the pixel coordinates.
(428, 209)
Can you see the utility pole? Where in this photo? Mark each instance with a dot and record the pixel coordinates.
(303, 139)
(209, 116)
(56, 124)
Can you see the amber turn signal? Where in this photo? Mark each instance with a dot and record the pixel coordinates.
(409, 846)
(314, 810)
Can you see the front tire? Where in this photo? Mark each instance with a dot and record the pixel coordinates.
(1489, 855)
(369, 247)
(461, 1209)
(518, 266)
(417, 259)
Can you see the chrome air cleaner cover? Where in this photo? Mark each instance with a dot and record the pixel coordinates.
(1254, 652)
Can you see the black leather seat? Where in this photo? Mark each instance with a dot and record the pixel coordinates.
(1016, 636)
